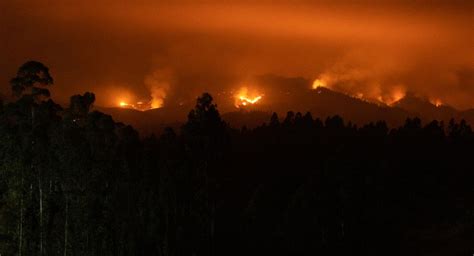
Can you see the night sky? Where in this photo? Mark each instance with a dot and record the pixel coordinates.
(125, 49)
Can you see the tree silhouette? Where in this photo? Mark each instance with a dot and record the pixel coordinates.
(80, 104)
(31, 79)
(76, 182)
(289, 119)
(274, 122)
(204, 119)
(79, 107)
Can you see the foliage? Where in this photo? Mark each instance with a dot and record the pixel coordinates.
(74, 182)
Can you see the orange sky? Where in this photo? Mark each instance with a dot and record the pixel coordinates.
(426, 47)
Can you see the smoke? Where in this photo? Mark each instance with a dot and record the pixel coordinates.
(159, 84)
(387, 75)
(362, 76)
(375, 50)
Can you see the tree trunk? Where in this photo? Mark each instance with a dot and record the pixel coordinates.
(20, 242)
(212, 228)
(65, 228)
(39, 181)
(41, 212)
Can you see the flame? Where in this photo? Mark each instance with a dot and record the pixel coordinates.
(395, 95)
(124, 104)
(158, 95)
(249, 100)
(245, 98)
(319, 83)
(323, 80)
(159, 83)
(140, 105)
(437, 102)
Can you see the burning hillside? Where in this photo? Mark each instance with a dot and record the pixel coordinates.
(140, 105)
(245, 97)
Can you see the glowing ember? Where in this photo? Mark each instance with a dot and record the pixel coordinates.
(245, 98)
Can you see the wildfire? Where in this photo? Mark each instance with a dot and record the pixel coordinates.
(158, 83)
(318, 83)
(245, 98)
(323, 80)
(124, 104)
(437, 102)
(140, 105)
(395, 95)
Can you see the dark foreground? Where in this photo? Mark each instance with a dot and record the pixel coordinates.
(77, 183)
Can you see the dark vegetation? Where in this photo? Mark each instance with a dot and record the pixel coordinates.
(294, 93)
(74, 182)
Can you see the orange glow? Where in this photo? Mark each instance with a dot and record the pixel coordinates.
(124, 104)
(436, 102)
(249, 100)
(140, 105)
(395, 95)
(325, 80)
(245, 98)
(349, 46)
(319, 83)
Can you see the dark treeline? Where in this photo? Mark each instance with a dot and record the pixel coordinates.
(74, 182)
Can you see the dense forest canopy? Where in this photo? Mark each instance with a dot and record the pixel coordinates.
(75, 182)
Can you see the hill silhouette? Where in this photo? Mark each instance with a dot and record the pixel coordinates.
(426, 110)
(321, 102)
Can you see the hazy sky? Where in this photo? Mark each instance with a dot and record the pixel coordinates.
(117, 48)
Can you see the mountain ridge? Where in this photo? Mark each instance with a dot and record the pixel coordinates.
(320, 102)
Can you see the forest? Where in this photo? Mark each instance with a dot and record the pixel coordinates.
(75, 182)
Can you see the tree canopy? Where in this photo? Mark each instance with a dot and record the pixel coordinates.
(31, 79)
(75, 182)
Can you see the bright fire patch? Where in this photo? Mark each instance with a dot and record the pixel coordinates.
(319, 83)
(436, 102)
(396, 95)
(140, 105)
(244, 97)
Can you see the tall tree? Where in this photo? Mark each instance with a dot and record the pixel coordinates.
(32, 79)
(29, 86)
(204, 134)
